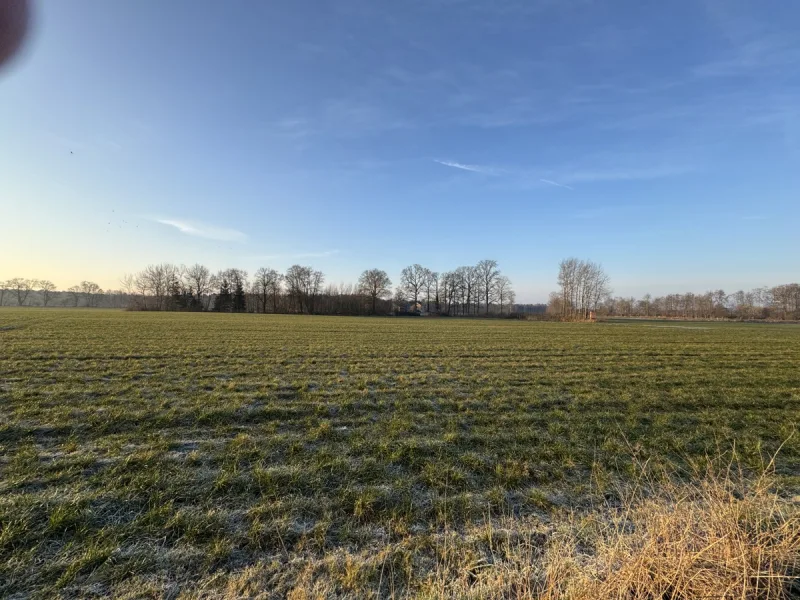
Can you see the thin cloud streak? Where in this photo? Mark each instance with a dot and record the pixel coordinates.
(627, 174)
(202, 230)
(463, 167)
(555, 183)
(531, 177)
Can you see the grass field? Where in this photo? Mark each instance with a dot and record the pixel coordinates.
(194, 455)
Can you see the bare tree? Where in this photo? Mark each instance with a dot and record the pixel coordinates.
(431, 285)
(399, 298)
(469, 282)
(304, 285)
(583, 285)
(128, 283)
(275, 290)
(200, 282)
(412, 280)
(448, 286)
(567, 271)
(487, 274)
(297, 278)
(505, 295)
(91, 292)
(267, 284)
(129, 289)
(74, 295)
(317, 279)
(598, 285)
(645, 305)
(46, 289)
(21, 287)
(375, 284)
(156, 281)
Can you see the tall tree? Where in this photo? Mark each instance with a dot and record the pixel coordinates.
(181, 296)
(505, 294)
(431, 286)
(267, 284)
(448, 286)
(487, 274)
(224, 299)
(74, 295)
(91, 292)
(201, 282)
(304, 285)
(375, 284)
(46, 289)
(412, 280)
(583, 285)
(239, 298)
(21, 287)
(156, 281)
(469, 282)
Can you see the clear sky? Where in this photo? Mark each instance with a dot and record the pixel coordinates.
(661, 139)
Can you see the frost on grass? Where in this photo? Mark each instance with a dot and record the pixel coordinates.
(249, 455)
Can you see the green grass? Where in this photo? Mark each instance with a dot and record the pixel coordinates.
(161, 454)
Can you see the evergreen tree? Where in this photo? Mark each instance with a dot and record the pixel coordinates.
(194, 303)
(179, 297)
(239, 301)
(224, 299)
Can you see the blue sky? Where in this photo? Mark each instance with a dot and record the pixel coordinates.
(660, 139)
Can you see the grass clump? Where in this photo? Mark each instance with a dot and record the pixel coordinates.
(718, 535)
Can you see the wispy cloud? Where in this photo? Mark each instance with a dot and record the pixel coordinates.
(755, 56)
(555, 183)
(531, 177)
(203, 230)
(293, 127)
(473, 168)
(627, 174)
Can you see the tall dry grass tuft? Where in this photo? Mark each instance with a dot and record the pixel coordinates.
(721, 536)
(715, 535)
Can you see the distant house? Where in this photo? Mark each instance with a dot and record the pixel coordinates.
(423, 308)
(414, 309)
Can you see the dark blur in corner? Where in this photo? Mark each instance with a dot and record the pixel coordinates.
(14, 17)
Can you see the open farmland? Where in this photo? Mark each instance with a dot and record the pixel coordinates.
(182, 455)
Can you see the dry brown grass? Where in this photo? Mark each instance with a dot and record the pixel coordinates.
(711, 539)
(721, 535)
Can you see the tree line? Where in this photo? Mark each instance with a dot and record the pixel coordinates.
(469, 290)
(584, 288)
(21, 291)
(482, 289)
(781, 302)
